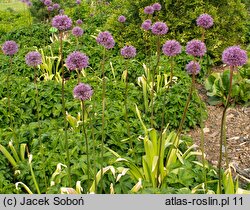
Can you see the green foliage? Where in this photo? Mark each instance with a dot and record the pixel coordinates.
(230, 22)
(12, 20)
(217, 85)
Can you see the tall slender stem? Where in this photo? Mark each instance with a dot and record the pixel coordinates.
(103, 115)
(186, 106)
(223, 130)
(126, 103)
(41, 148)
(86, 142)
(8, 94)
(153, 79)
(64, 111)
(94, 146)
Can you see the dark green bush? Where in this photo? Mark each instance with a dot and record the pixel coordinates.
(230, 22)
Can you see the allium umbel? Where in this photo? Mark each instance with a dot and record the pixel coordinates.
(193, 67)
(196, 48)
(128, 51)
(171, 48)
(234, 56)
(77, 61)
(105, 39)
(205, 21)
(77, 31)
(33, 58)
(47, 2)
(146, 25)
(10, 48)
(156, 6)
(121, 19)
(62, 22)
(79, 22)
(82, 92)
(149, 10)
(56, 6)
(159, 28)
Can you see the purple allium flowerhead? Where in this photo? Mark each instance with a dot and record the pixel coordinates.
(56, 6)
(47, 2)
(83, 92)
(105, 39)
(79, 22)
(61, 11)
(234, 56)
(50, 8)
(77, 60)
(205, 21)
(146, 25)
(156, 6)
(196, 48)
(78, 1)
(10, 48)
(193, 67)
(77, 31)
(171, 48)
(29, 3)
(33, 58)
(121, 19)
(149, 10)
(62, 22)
(128, 51)
(159, 28)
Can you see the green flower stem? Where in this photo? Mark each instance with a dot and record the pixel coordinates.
(186, 107)
(64, 112)
(39, 127)
(8, 94)
(126, 104)
(78, 76)
(103, 115)
(94, 146)
(163, 113)
(223, 130)
(33, 175)
(153, 78)
(202, 147)
(87, 142)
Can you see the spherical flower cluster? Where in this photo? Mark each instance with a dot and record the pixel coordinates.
(77, 31)
(171, 48)
(128, 51)
(196, 48)
(47, 2)
(106, 40)
(234, 56)
(33, 58)
(50, 8)
(146, 25)
(56, 6)
(82, 92)
(159, 28)
(205, 21)
(61, 12)
(10, 48)
(79, 22)
(156, 6)
(193, 67)
(149, 10)
(77, 61)
(27, 2)
(62, 22)
(78, 1)
(121, 19)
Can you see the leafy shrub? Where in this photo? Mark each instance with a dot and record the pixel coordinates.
(217, 85)
(230, 22)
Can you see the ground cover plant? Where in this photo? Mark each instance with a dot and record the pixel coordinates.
(97, 96)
